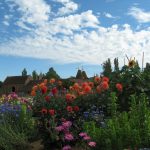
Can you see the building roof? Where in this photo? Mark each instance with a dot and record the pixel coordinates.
(16, 80)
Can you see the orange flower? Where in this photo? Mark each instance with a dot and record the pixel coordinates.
(52, 81)
(97, 79)
(71, 88)
(44, 89)
(81, 93)
(119, 87)
(76, 86)
(105, 85)
(84, 84)
(33, 93)
(42, 85)
(91, 84)
(70, 97)
(35, 88)
(45, 81)
(87, 89)
(105, 79)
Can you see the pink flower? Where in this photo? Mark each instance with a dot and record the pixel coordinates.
(59, 128)
(92, 144)
(67, 124)
(67, 147)
(86, 137)
(83, 134)
(69, 137)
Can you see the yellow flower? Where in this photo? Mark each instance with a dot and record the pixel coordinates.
(131, 63)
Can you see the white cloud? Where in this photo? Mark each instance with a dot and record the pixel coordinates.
(68, 7)
(140, 15)
(6, 23)
(108, 15)
(73, 38)
(92, 47)
(34, 12)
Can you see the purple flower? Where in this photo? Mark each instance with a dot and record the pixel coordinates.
(67, 147)
(69, 137)
(67, 124)
(59, 128)
(92, 144)
(86, 137)
(83, 134)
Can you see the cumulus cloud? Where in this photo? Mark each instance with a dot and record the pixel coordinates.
(68, 7)
(108, 15)
(75, 38)
(139, 14)
(34, 12)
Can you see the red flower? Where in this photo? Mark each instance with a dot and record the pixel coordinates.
(87, 89)
(52, 112)
(105, 79)
(47, 98)
(54, 91)
(119, 87)
(97, 79)
(44, 89)
(44, 111)
(69, 108)
(76, 108)
(91, 84)
(70, 97)
(105, 85)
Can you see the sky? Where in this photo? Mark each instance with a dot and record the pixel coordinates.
(71, 34)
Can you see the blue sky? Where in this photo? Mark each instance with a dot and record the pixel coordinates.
(67, 34)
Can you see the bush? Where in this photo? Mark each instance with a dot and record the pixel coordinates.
(124, 129)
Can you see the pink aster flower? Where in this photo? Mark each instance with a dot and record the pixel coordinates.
(69, 137)
(59, 128)
(86, 137)
(67, 124)
(92, 144)
(67, 147)
(83, 134)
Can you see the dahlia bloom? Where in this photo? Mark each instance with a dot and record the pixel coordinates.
(69, 137)
(67, 147)
(92, 144)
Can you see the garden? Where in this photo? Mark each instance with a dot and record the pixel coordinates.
(107, 112)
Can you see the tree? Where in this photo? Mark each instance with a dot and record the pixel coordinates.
(107, 70)
(147, 68)
(1, 83)
(24, 72)
(84, 75)
(79, 74)
(52, 74)
(116, 65)
(34, 75)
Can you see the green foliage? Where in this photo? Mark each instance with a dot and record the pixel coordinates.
(116, 65)
(34, 75)
(52, 74)
(11, 138)
(79, 75)
(24, 72)
(123, 129)
(107, 69)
